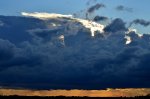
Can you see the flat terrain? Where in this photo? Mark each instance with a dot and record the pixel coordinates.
(130, 92)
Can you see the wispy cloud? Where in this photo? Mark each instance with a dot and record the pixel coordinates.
(123, 8)
(141, 22)
(95, 7)
(100, 18)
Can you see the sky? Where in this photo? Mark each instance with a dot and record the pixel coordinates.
(15, 7)
(32, 55)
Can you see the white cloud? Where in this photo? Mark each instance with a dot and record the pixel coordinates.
(45, 15)
(134, 30)
(128, 40)
(93, 26)
(62, 39)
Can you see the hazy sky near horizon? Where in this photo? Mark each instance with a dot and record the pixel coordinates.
(140, 9)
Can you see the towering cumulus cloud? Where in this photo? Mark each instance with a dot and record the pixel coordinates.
(59, 52)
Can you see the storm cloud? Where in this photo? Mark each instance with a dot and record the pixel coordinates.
(40, 61)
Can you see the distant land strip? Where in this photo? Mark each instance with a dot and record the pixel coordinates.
(127, 92)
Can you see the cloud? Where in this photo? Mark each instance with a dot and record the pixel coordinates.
(95, 7)
(100, 18)
(6, 53)
(6, 49)
(123, 8)
(116, 26)
(70, 26)
(1, 23)
(45, 15)
(141, 22)
(93, 26)
(85, 62)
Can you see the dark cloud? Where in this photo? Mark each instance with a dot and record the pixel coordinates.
(116, 26)
(123, 8)
(92, 7)
(100, 18)
(19, 29)
(141, 22)
(1, 23)
(95, 7)
(6, 50)
(40, 62)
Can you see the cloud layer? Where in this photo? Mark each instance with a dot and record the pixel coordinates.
(33, 56)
